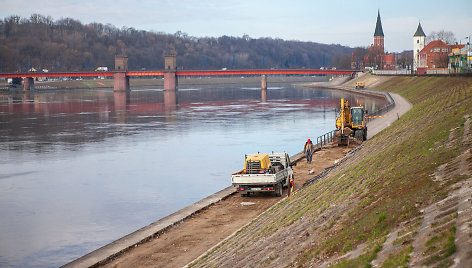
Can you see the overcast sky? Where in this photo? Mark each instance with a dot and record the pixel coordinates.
(344, 22)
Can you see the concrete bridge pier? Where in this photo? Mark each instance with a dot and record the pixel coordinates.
(120, 79)
(170, 80)
(263, 95)
(28, 83)
(170, 100)
(264, 82)
(170, 65)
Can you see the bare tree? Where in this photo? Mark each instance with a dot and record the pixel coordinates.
(405, 59)
(446, 36)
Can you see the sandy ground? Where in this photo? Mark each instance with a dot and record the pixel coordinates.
(186, 241)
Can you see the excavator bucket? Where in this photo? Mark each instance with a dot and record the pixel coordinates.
(341, 138)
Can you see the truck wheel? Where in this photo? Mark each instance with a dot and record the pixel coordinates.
(278, 190)
(358, 134)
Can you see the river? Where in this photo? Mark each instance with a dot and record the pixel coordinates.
(82, 168)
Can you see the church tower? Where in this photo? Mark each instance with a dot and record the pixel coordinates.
(379, 34)
(418, 44)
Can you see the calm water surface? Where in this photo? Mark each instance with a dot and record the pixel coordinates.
(82, 168)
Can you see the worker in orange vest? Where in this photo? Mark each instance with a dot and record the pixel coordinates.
(308, 150)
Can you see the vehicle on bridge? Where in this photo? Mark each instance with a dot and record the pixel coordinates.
(263, 173)
(350, 124)
(101, 69)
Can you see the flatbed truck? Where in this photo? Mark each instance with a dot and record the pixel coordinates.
(263, 173)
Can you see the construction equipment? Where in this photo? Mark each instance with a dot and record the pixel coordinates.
(360, 85)
(257, 164)
(350, 124)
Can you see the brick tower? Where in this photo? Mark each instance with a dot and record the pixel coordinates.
(379, 35)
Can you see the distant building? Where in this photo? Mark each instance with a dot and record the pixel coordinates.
(434, 56)
(375, 57)
(379, 34)
(389, 61)
(458, 60)
(418, 44)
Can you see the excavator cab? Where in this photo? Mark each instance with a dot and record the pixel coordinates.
(357, 117)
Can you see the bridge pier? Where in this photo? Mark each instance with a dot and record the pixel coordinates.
(121, 81)
(170, 80)
(264, 82)
(28, 83)
(170, 100)
(263, 95)
(121, 100)
(170, 66)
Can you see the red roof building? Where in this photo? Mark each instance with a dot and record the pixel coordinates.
(389, 62)
(435, 55)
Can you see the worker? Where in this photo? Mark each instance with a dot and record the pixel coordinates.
(290, 190)
(308, 149)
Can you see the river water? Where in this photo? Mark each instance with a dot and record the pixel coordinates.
(81, 168)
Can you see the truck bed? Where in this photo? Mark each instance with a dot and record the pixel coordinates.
(239, 178)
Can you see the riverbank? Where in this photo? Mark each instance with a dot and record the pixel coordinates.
(186, 234)
(402, 200)
(202, 228)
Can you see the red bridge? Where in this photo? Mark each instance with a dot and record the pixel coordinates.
(121, 75)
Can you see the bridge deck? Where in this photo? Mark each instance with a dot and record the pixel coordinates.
(179, 73)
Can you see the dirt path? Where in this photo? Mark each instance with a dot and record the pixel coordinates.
(186, 241)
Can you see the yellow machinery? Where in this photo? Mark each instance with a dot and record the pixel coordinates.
(360, 85)
(257, 163)
(350, 124)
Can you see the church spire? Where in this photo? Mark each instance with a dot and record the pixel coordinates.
(419, 31)
(378, 26)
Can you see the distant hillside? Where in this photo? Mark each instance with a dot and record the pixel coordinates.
(68, 45)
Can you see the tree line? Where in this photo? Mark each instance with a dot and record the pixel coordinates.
(68, 45)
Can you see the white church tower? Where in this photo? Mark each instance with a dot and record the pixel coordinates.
(418, 44)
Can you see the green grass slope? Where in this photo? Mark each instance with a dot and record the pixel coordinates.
(347, 218)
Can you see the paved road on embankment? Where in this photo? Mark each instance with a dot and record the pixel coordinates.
(378, 124)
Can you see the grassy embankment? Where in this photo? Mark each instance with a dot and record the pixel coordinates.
(380, 190)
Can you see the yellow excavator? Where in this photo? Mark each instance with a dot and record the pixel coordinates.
(350, 124)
